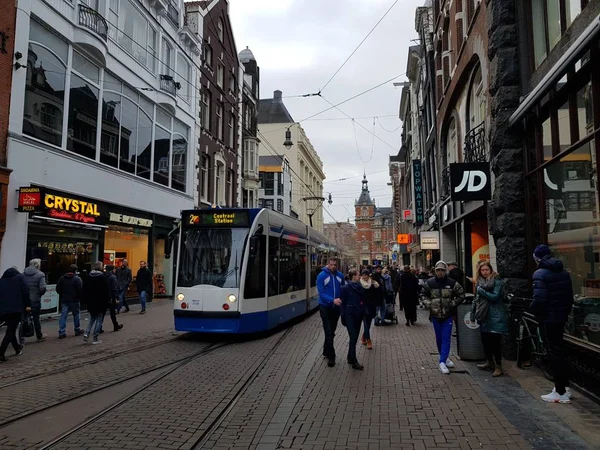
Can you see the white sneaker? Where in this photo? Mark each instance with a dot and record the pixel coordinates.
(449, 364)
(555, 397)
(85, 338)
(444, 369)
(97, 342)
(568, 392)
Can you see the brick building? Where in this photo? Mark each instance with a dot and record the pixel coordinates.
(220, 98)
(375, 236)
(7, 45)
(343, 235)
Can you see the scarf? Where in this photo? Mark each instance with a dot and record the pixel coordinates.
(487, 285)
(368, 284)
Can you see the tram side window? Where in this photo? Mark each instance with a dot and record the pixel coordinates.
(255, 274)
(292, 266)
(314, 267)
(273, 266)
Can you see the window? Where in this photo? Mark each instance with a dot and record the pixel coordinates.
(231, 123)
(220, 30)
(220, 183)
(279, 183)
(220, 75)
(183, 75)
(179, 154)
(249, 155)
(451, 154)
(378, 235)
(365, 211)
(269, 182)
(204, 177)
(280, 205)
(45, 86)
(206, 105)
(230, 193)
(162, 144)
(208, 55)
(232, 84)
(292, 266)
(83, 117)
(220, 122)
(167, 58)
(477, 103)
(133, 32)
(256, 269)
(268, 203)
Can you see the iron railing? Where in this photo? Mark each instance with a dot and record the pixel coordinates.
(475, 148)
(445, 183)
(168, 84)
(93, 20)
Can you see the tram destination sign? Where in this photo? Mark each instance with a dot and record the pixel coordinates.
(217, 218)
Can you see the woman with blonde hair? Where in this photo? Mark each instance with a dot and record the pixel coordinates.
(490, 313)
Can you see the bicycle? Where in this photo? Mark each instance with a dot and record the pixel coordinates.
(530, 343)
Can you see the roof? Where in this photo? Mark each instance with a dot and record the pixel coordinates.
(246, 55)
(365, 196)
(272, 110)
(384, 211)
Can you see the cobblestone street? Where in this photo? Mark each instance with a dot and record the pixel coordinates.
(272, 392)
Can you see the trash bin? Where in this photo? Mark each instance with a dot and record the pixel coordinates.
(470, 347)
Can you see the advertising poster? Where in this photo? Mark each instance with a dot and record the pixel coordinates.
(480, 243)
(50, 301)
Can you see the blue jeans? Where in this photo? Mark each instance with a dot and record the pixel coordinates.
(122, 300)
(143, 298)
(367, 321)
(95, 325)
(443, 336)
(73, 308)
(382, 309)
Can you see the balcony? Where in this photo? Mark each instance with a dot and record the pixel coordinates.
(475, 149)
(168, 84)
(92, 20)
(445, 188)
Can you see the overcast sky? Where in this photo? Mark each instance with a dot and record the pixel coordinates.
(299, 44)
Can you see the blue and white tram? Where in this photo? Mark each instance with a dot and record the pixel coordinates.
(245, 270)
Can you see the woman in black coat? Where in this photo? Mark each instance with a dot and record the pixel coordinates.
(408, 290)
(373, 298)
(14, 302)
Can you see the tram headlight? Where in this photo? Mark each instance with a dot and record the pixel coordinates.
(180, 297)
(232, 298)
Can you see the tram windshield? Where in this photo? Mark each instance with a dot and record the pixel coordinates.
(211, 256)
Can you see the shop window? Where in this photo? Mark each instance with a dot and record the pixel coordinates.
(126, 243)
(83, 117)
(45, 86)
(163, 269)
(255, 271)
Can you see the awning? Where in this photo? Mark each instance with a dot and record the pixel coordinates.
(557, 72)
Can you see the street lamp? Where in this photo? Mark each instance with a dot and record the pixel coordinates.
(288, 139)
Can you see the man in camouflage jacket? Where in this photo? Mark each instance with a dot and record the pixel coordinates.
(442, 295)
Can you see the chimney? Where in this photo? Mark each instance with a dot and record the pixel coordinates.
(277, 96)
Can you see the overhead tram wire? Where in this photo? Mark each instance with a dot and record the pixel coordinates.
(353, 176)
(358, 46)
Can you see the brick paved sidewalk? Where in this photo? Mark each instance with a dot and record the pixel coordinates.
(52, 354)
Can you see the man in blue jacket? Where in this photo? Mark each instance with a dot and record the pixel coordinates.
(552, 303)
(329, 285)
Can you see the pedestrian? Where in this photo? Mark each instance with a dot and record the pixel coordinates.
(490, 313)
(69, 289)
(388, 296)
(552, 303)
(408, 290)
(442, 295)
(455, 272)
(97, 295)
(352, 296)
(36, 280)
(372, 299)
(329, 286)
(124, 277)
(113, 287)
(14, 302)
(143, 282)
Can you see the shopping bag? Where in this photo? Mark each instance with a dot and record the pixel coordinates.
(27, 328)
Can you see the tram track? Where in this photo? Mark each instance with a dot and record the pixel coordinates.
(177, 362)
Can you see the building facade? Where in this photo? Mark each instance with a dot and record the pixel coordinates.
(249, 119)
(343, 235)
(374, 235)
(305, 164)
(219, 96)
(275, 184)
(101, 135)
(8, 59)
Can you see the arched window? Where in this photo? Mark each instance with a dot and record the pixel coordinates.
(365, 211)
(477, 104)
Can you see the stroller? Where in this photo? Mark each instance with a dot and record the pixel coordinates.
(390, 311)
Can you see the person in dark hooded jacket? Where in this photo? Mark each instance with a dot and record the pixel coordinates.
(36, 280)
(552, 303)
(113, 286)
(69, 289)
(14, 301)
(352, 312)
(96, 291)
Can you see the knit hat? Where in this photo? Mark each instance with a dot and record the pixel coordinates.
(541, 251)
(441, 265)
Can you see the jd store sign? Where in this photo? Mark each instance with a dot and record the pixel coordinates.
(470, 182)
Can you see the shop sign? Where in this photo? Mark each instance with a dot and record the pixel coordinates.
(404, 239)
(470, 182)
(30, 199)
(216, 218)
(130, 220)
(430, 240)
(418, 193)
(407, 215)
(68, 208)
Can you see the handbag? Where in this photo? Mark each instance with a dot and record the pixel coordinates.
(27, 327)
(482, 308)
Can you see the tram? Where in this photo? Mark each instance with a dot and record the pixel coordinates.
(245, 270)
